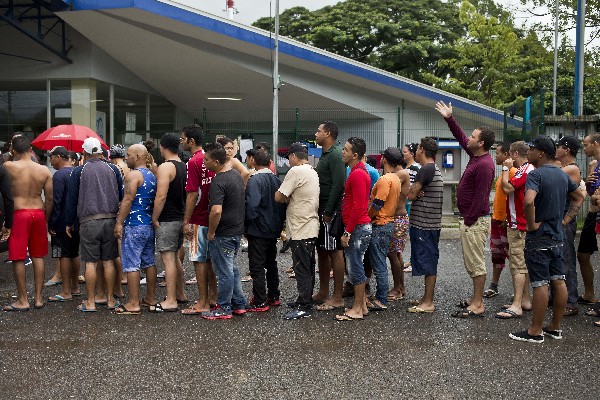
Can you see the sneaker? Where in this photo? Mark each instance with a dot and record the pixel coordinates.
(553, 334)
(239, 311)
(274, 302)
(297, 314)
(244, 245)
(143, 281)
(28, 261)
(7, 261)
(216, 313)
(524, 336)
(258, 307)
(161, 275)
(192, 281)
(246, 278)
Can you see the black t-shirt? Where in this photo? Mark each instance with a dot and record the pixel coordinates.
(227, 189)
(175, 202)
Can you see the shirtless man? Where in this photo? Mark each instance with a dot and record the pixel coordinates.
(30, 217)
(399, 237)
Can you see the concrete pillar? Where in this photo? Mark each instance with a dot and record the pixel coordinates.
(83, 108)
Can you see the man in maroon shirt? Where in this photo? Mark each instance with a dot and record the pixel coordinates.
(356, 237)
(473, 201)
(195, 219)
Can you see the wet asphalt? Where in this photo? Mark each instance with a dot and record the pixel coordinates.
(61, 353)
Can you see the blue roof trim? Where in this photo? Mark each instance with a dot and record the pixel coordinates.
(245, 35)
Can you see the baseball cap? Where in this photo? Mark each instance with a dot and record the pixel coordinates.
(545, 144)
(92, 145)
(59, 151)
(570, 142)
(297, 148)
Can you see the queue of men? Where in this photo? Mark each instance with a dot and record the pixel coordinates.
(115, 215)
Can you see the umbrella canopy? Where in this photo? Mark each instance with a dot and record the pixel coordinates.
(69, 136)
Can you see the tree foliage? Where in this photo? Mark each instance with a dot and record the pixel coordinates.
(471, 47)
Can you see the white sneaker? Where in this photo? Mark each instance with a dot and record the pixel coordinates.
(143, 281)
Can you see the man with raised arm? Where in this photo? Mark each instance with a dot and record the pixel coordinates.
(473, 202)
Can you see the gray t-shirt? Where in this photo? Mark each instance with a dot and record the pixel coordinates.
(227, 190)
(426, 211)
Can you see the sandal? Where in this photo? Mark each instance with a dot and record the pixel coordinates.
(158, 308)
(489, 293)
(325, 307)
(466, 314)
(463, 304)
(122, 310)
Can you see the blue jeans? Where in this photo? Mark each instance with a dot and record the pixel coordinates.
(378, 247)
(355, 252)
(223, 252)
(544, 259)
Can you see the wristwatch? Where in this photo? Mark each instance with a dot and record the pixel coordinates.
(346, 233)
(505, 168)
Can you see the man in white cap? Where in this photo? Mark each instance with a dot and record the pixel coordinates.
(95, 190)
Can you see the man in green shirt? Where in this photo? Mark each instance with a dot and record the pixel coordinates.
(332, 175)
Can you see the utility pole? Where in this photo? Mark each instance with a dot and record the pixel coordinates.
(276, 87)
(579, 59)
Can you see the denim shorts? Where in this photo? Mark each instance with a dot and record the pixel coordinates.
(355, 252)
(137, 247)
(544, 259)
(424, 251)
(199, 244)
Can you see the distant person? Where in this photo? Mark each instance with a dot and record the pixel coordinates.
(195, 219)
(134, 228)
(226, 226)
(95, 190)
(117, 157)
(385, 196)
(300, 190)
(473, 202)
(588, 241)
(263, 224)
(410, 155)
(498, 233)
(546, 191)
(265, 147)
(357, 223)
(332, 176)
(167, 218)
(427, 195)
(29, 230)
(567, 148)
(514, 189)
(64, 248)
(230, 147)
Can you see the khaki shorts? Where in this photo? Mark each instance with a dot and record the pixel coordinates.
(473, 239)
(516, 251)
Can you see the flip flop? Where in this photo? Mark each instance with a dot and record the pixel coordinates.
(122, 310)
(144, 303)
(76, 294)
(346, 317)
(58, 299)
(597, 323)
(52, 283)
(83, 308)
(325, 307)
(394, 297)
(372, 306)
(101, 303)
(507, 306)
(582, 300)
(418, 310)
(466, 314)
(511, 314)
(414, 302)
(158, 308)
(593, 312)
(463, 304)
(13, 308)
(191, 311)
(489, 293)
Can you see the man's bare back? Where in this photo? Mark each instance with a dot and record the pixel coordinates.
(28, 179)
(404, 188)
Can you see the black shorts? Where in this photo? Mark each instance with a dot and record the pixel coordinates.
(325, 241)
(64, 246)
(587, 241)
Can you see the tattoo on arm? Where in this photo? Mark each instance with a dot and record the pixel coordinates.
(573, 210)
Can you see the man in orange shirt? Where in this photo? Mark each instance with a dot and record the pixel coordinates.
(384, 201)
(498, 238)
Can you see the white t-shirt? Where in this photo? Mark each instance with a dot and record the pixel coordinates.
(301, 186)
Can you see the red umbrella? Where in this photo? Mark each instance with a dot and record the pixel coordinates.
(69, 136)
